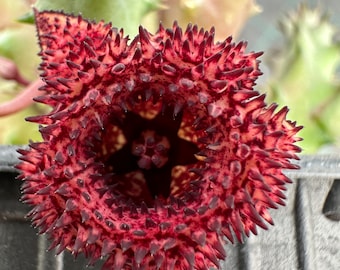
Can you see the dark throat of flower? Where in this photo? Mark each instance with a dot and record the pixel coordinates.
(152, 148)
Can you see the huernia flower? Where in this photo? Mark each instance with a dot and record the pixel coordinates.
(156, 150)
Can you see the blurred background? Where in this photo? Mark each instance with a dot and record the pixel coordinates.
(300, 39)
(301, 69)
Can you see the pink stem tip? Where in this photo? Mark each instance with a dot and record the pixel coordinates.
(22, 100)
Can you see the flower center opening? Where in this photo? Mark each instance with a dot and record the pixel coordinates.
(142, 166)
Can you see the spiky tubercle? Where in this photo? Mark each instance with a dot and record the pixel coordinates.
(98, 85)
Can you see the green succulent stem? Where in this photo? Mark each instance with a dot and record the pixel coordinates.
(126, 14)
(304, 76)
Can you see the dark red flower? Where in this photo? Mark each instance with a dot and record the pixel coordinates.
(154, 150)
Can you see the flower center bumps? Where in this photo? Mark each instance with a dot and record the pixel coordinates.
(152, 149)
(156, 151)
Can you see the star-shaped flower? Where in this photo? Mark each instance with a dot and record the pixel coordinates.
(155, 150)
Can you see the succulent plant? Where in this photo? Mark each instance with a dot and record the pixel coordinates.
(126, 14)
(155, 151)
(228, 17)
(304, 76)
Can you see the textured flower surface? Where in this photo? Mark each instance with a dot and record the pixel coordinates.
(155, 152)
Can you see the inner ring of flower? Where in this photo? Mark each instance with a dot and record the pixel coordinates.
(151, 150)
